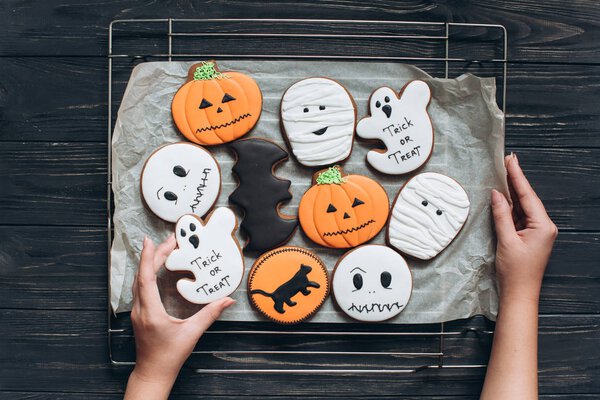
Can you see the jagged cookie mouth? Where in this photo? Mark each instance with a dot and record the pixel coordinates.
(212, 127)
(345, 231)
(375, 307)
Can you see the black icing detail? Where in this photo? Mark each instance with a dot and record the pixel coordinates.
(386, 279)
(182, 232)
(387, 109)
(346, 216)
(205, 104)
(439, 212)
(305, 109)
(424, 202)
(357, 202)
(299, 283)
(180, 171)
(387, 99)
(170, 196)
(375, 307)
(219, 110)
(259, 193)
(194, 241)
(331, 208)
(192, 227)
(321, 108)
(227, 97)
(377, 104)
(349, 230)
(357, 281)
(320, 131)
(208, 128)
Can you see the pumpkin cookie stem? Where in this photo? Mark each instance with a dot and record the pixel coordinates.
(207, 71)
(332, 175)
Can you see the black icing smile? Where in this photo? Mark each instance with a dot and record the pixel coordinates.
(349, 230)
(320, 131)
(209, 128)
(375, 307)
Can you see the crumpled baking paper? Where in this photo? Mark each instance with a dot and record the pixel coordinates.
(469, 147)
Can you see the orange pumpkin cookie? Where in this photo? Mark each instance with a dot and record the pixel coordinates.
(213, 107)
(288, 284)
(343, 211)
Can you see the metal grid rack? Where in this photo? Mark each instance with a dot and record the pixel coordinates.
(441, 36)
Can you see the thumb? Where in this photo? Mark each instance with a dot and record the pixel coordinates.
(505, 227)
(204, 318)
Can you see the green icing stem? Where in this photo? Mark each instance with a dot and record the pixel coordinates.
(331, 176)
(207, 71)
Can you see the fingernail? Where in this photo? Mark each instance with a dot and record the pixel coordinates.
(228, 302)
(145, 241)
(516, 158)
(496, 197)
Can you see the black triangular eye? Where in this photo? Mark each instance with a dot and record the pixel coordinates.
(227, 98)
(205, 104)
(170, 196)
(179, 171)
(331, 208)
(357, 202)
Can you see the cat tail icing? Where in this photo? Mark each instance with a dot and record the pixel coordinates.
(258, 291)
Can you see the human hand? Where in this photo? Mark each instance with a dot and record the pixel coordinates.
(525, 237)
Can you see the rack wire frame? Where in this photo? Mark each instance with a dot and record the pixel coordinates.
(436, 356)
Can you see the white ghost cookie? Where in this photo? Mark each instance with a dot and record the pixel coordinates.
(427, 214)
(402, 124)
(372, 283)
(209, 251)
(178, 179)
(318, 117)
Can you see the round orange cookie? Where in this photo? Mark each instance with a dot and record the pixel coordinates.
(343, 211)
(288, 284)
(213, 107)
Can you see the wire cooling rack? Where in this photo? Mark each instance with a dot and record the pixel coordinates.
(440, 48)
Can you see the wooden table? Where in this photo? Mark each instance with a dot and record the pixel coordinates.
(53, 275)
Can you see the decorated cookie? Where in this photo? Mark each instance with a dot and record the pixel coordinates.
(427, 214)
(402, 124)
(288, 284)
(342, 211)
(178, 179)
(318, 117)
(260, 194)
(215, 107)
(371, 283)
(210, 252)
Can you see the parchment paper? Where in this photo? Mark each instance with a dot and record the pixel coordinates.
(469, 146)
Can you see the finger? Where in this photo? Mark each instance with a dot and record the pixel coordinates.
(517, 211)
(505, 228)
(530, 203)
(147, 289)
(204, 318)
(162, 252)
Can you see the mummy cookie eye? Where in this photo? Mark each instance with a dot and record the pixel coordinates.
(180, 171)
(386, 279)
(424, 202)
(182, 233)
(227, 97)
(357, 280)
(378, 104)
(387, 99)
(331, 208)
(170, 196)
(192, 227)
(439, 212)
(321, 108)
(205, 104)
(357, 202)
(305, 109)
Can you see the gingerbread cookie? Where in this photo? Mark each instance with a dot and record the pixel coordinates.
(209, 251)
(427, 214)
(178, 179)
(215, 107)
(288, 284)
(372, 283)
(342, 211)
(318, 116)
(260, 194)
(402, 124)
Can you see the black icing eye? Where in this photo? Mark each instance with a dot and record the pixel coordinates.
(179, 171)
(378, 104)
(424, 202)
(357, 280)
(192, 227)
(331, 208)
(386, 279)
(305, 109)
(170, 196)
(182, 232)
(227, 98)
(439, 212)
(357, 202)
(387, 99)
(321, 108)
(205, 104)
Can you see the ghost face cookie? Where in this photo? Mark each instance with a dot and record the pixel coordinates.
(318, 116)
(178, 179)
(342, 211)
(427, 214)
(215, 107)
(288, 284)
(372, 283)
(210, 252)
(402, 124)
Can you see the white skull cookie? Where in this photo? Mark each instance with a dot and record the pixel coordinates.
(209, 251)
(372, 283)
(178, 179)
(402, 124)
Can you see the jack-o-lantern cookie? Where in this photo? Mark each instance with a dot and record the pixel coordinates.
(288, 284)
(427, 214)
(318, 116)
(178, 179)
(371, 283)
(215, 107)
(343, 211)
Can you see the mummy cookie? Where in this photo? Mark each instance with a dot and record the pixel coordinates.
(427, 214)
(372, 283)
(288, 284)
(342, 211)
(178, 179)
(214, 107)
(318, 117)
(402, 124)
(260, 194)
(210, 252)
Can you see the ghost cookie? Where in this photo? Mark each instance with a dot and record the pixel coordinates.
(210, 252)
(427, 214)
(342, 211)
(402, 124)
(318, 116)
(288, 284)
(371, 283)
(178, 179)
(215, 107)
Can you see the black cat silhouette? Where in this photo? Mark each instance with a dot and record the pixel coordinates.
(285, 292)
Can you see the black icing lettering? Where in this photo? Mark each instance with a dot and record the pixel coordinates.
(399, 156)
(206, 289)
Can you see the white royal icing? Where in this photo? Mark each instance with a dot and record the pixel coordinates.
(211, 253)
(372, 283)
(330, 108)
(402, 124)
(180, 178)
(423, 231)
